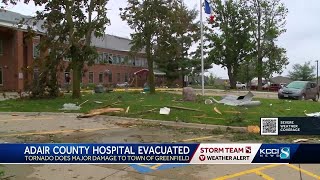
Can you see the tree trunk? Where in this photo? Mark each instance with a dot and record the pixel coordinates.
(231, 79)
(76, 80)
(260, 73)
(150, 68)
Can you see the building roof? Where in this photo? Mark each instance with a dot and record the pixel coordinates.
(11, 19)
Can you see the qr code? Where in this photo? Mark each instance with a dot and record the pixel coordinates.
(269, 126)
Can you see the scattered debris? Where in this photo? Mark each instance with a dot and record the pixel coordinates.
(98, 102)
(253, 129)
(101, 111)
(233, 112)
(83, 103)
(165, 111)
(144, 112)
(233, 100)
(270, 105)
(70, 107)
(288, 109)
(208, 101)
(300, 140)
(217, 110)
(184, 108)
(205, 117)
(14, 115)
(317, 114)
(127, 110)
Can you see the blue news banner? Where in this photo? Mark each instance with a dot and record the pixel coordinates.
(158, 153)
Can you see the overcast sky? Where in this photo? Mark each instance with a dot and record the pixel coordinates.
(302, 39)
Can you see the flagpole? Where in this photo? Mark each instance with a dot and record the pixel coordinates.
(202, 68)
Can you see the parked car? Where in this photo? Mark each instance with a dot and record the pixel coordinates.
(240, 85)
(302, 90)
(274, 87)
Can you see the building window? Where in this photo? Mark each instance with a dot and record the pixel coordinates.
(126, 77)
(1, 47)
(126, 60)
(36, 74)
(110, 59)
(101, 77)
(1, 76)
(110, 76)
(36, 51)
(91, 77)
(105, 58)
(67, 77)
(118, 77)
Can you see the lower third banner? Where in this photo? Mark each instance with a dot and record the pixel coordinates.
(158, 153)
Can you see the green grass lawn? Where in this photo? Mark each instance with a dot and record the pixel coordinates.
(140, 103)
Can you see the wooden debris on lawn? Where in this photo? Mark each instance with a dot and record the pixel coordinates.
(184, 108)
(253, 129)
(83, 103)
(300, 140)
(145, 112)
(233, 112)
(217, 110)
(127, 110)
(206, 117)
(101, 111)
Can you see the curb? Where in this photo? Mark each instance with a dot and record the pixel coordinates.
(120, 119)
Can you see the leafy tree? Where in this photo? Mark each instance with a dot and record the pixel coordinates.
(275, 61)
(228, 38)
(70, 25)
(246, 71)
(171, 54)
(157, 24)
(212, 79)
(269, 18)
(303, 72)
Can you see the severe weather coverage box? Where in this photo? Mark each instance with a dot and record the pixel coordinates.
(290, 126)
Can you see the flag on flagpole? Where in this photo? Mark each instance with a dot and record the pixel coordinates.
(208, 10)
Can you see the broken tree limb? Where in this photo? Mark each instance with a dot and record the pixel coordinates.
(207, 117)
(101, 111)
(217, 110)
(83, 103)
(145, 112)
(184, 108)
(127, 109)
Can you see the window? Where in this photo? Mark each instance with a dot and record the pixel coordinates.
(118, 77)
(115, 59)
(91, 77)
(67, 77)
(126, 77)
(100, 58)
(1, 76)
(101, 77)
(110, 59)
(1, 47)
(126, 60)
(105, 58)
(110, 76)
(36, 51)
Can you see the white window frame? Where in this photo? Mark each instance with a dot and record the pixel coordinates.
(92, 78)
(1, 72)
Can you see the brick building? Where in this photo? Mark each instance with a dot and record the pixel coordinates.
(113, 66)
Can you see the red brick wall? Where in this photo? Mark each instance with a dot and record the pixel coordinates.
(8, 62)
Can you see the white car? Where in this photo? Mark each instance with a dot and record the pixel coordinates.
(240, 85)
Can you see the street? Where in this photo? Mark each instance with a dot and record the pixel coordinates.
(65, 128)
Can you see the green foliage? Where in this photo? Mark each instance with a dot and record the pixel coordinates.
(69, 26)
(165, 30)
(211, 79)
(1, 173)
(303, 72)
(228, 38)
(269, 19)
